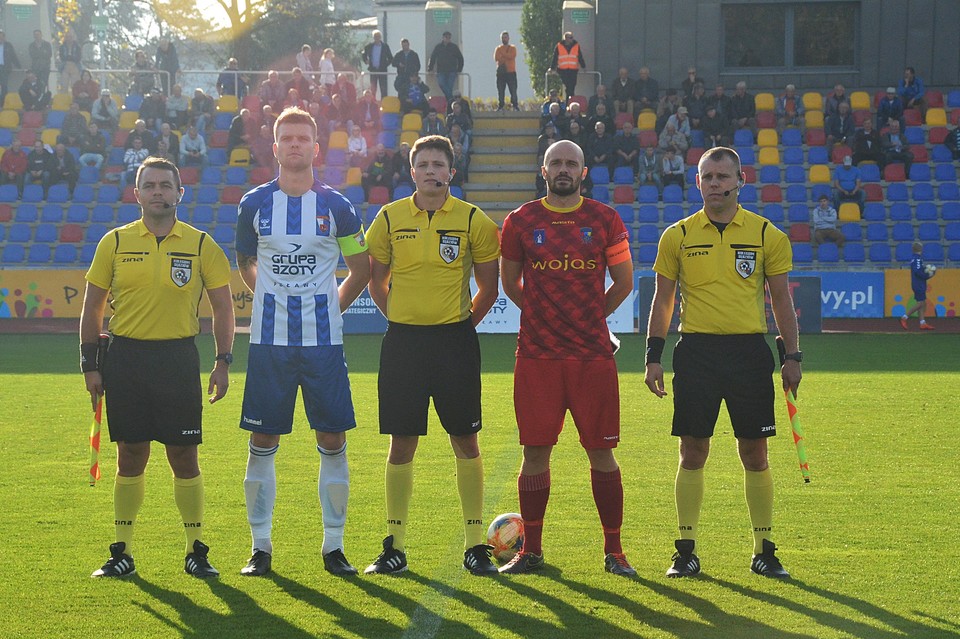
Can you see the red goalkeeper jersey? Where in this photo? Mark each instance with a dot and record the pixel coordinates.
(565, 254)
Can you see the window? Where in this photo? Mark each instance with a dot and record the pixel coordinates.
(790, 36)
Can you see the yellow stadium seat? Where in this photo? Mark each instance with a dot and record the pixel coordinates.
(647, 121)
(228, 104)
(128, 119)
(849, 212)
(118, 100)
(9, 119)
(240, 157)
(767, 137)
(61, 102)
(411, 122)
(860, 100)
(86, 114)
(49, 136)
(13, 101)
(769, 156)
(390, 104)
(936, 117)
(764, 102)
(812, 101)
(338, 140)
(409, 137)
(354, 176)
(813, 119)
(820, 174)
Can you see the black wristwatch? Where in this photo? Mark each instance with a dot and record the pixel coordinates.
(797, 357)
(225, 357)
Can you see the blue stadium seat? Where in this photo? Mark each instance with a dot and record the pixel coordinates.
(336, 157)
(217, 157)
(402, 191)
(901, 212)
(354, 194)
(13, 254)
(108, 194)
(623, 175)
(828, 253)
(798, 213)
(941, 153)
(932, 252)
(673, 194)
(795, 174)
(82, 194)
(58, 193)
(20, 233)
(203, 228)
(39, 254)
(747, 195)
(691, 178)
(948, 191)
(950, 211)
(792, 155)
(874, 212)
(648, 213)
(9, 193)
(902, 232)
(915, 135)
(51, 213)
(879, 253)
(625, 211)
(773, 212)
(45, 233)
(951, 232)
(693, 208)
(188, 194)
(944, 172)
(132, 102)
(903, 252)
(853, 253)
(55, 119)
(925, 211)
(227, 214)
(821, 189)
(94, 233)
(89, 175)
(877, 232)
(207, 195)
(648, 233)
(672, 213)
(6, 138)
(869, 172)
(600, 175)
(791, 137)
(953, 99)
(102, 214)
(601, 194)
(697, 139)
(753, 208)
(743, 137)
(920, 172)
(27, 213)
(115, 157)
(388, 139)
(224, 235)
(852, 231)
(32, 193)
(747, 156)
(456, 192)
(797, 193)
(926, 232)
(127, 213)
(694, 196)
(818, 155)
(953, 252)
(334, 175)
(770, 174)
(802, 253)
(221, 122)
(202, 214)
(647, 254)
(78, 214)
(86, 253)
(210, 175)
(65, 254)
(897, 192)
(236, 175)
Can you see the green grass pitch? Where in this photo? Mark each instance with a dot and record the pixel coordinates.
(871, 542)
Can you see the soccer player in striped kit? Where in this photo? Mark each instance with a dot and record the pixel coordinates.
(290, 234)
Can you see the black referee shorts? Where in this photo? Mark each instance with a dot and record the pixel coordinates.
(420, 362)
(152, 391)
(736, 369)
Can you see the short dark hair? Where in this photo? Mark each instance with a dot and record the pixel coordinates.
(159, 163)
(438, 142)
(718, 153)
(294, 115)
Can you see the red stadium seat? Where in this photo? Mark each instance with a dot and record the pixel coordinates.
(261, 174)
(252, 102)
(694, 154)
(912, 117)
(189, 175)
(894, 173)
(623, 194)
(438, 102)
(120, 138)
(6, 212)
(771, 193)
(937, 134)
(766, 120)
(749, 174)
(128, 196)
(860, 115)
(877, 97)
(874, 192)
(581, 100)
(231, 194)
(955, 117)
(27, 136)
(816, 137)
(799, 232)
(838, 153)
(379, 195)
(32, 119)
(934, 99)
(647, 138)
(71, 233)
(218, 139)
(621, 118)
(920, 153)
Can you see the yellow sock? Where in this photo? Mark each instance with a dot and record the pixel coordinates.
(188, 493)
(470, 487)
(399, 481)
(127, 499)
(758, 489)
(688, 491)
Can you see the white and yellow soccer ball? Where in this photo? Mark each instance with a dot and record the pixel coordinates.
(930, 269)
(505, 535)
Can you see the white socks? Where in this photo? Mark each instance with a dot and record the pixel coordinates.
(260, 488)
(333, 486)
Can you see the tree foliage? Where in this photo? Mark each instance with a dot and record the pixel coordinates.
(286, 25)
(540, 24)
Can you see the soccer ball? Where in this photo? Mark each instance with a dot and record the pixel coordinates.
(506, 536)
(930, 269)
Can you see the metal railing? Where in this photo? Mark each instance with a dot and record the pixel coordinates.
(549, 74)
(367, 79)
(121, 81)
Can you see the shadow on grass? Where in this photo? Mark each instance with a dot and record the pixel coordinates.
(888, 625)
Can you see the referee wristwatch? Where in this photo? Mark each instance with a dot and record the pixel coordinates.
(226, 358)
(797, 357)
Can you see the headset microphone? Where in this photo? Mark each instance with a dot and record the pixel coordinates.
(167, 205)
(441, 184)
(728, 192)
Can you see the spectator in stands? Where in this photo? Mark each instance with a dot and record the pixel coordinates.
(681, 122)
(202, 110)
(377, 172)
(912, 92)
(153, 110)
(8, 62)
(401, 166)
(867, 146)
(457, 116)
(272, 91)
(505, 57)
(378, 57)
(623, 90)
(415, 99)
(601, 148)
(600, 97)
(723, 103)
(555, 118)
(952, 142)
(178, 108)
(743, 109)
(432, 124)
(831, 105)
(840, 128)
(85, 91)
(293, 99)
(576, 134)
(574, 114)
(166, 60)
(552, 98)
(890, 108)
(142, 75)
(261, 147)
(547, 137)
(667, 107)
(70, 64)
(13, 165)
(356, 147)
(267, 116)
(696, 106)
(463, 102)
(447, 61)
(300, 82)
(647, 93)
(74, 126)
(105, 112)
(38, 165)
(165, 152)
(346, 91)
(715, 128)
(690, 81)
(567, 62)
(825, 224)
(172, 140)
(461, 165)
(649, 166)
(367, 114)
(328, 73)
(626, 147)
(406, 62)
(338, 116)
(672, 170)
(93, 147)
(458, 136)
(895, 148)
(63, 168)
(40, 53)
(132, 160)
(141, 133)
(847, 185)
(34, 93)
(601, 115)
(193, 148)
(671, 137)
(230, 82)
(305, 62)
(789, 108)
(239, 126)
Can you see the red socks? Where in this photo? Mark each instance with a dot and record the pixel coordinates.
(608, 495)
(534, 491)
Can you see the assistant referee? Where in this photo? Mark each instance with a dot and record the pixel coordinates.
(423, 250)
(722, 256)
(156, 270)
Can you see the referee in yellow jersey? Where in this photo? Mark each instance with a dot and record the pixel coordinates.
(423, 250)
(156, 270)
(722, 256)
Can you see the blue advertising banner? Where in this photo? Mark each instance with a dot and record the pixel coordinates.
(859, 294)
(363, 316)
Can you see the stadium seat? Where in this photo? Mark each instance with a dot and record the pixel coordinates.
(390, 121)
(13, 253)
(897, 192)
(646, 214)
(953, 252)
(623, 194)
(802, 253)
(934, 98)
(232, 194)
(26, 214)
(127, 213)
(409, 137)
(694, 154)
(9, 119)
(647, 138)
(65, 254)
(859, 100)
(207, 195)
(20, 233)
(695, 198)
(932, 252)
(236, 175)
(228, 104)
(647, 121)
(647, 254)
(261, 175)
(798, 213)
(94, 233)
(338, 140)
(852, 231)
(749, 174)
(828, 253)
(813, 119)
(926, 232)
(672, 213)
(132, 102)
(600, 174)
(936, 117)
(647, 193)
(216, 157)
(764, 102)
(747, 156)
(901, 212)
(903, 252)
(812, 101)
(818, 155)
(600, 194)
(877, 232)
(869, 172)
(54, 119)
(766, 120)
(102, 214)
(820, 189)
(89, 175)
(218, 139)
(769, 156)
(202, 214)
(648, 233)
(941, 153)
(815, 137)
(771, 193)
(922, 192)
(226, 214)
(13, 101)
(439, 103)
(49, 137)
(937, 134)
(797, 193)
(128, 119)
(820, 174)
(622, 175)
(390, 104)
(859, 116)
(874, 192)
(794, 174)
(792, 137)
(894, 173)
(879, 253)
(86, 253)
(32, 193)
(774, 213)
(853, 253)
(926, 212)
(902, 232)
(951, 232)
(915, 135)
(45, 233)
(58, 193)
(912, 117)
(748, 194)
(355, 194)
(402, 191)
(767, 137)
(948, 191)
(411, 122)
(849, 211)
(354, 176)
(743, 137)
(224, 235)
(770, 174)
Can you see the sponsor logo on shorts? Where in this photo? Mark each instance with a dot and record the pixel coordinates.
(255, 422)
(475, 425)
(767, 429)
(191, 431)
(611, 438)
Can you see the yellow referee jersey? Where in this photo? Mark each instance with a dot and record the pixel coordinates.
(431, 260)
(722, 276)
(156, 289)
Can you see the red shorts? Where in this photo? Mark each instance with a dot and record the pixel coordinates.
(544, 389)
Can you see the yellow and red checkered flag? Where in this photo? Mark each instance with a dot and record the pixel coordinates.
(95, 443)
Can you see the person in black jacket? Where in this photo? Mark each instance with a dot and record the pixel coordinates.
(407, 62)
(377, 57)
(447, 61)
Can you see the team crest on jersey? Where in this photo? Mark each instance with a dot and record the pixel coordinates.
(746, 263)
(323, 225)
(586, 234)
(180, 271)
(449, 248)
(539, 236)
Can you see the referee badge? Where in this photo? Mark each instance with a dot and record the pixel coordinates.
(449, 248)
(180, 271)
(746, 263)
